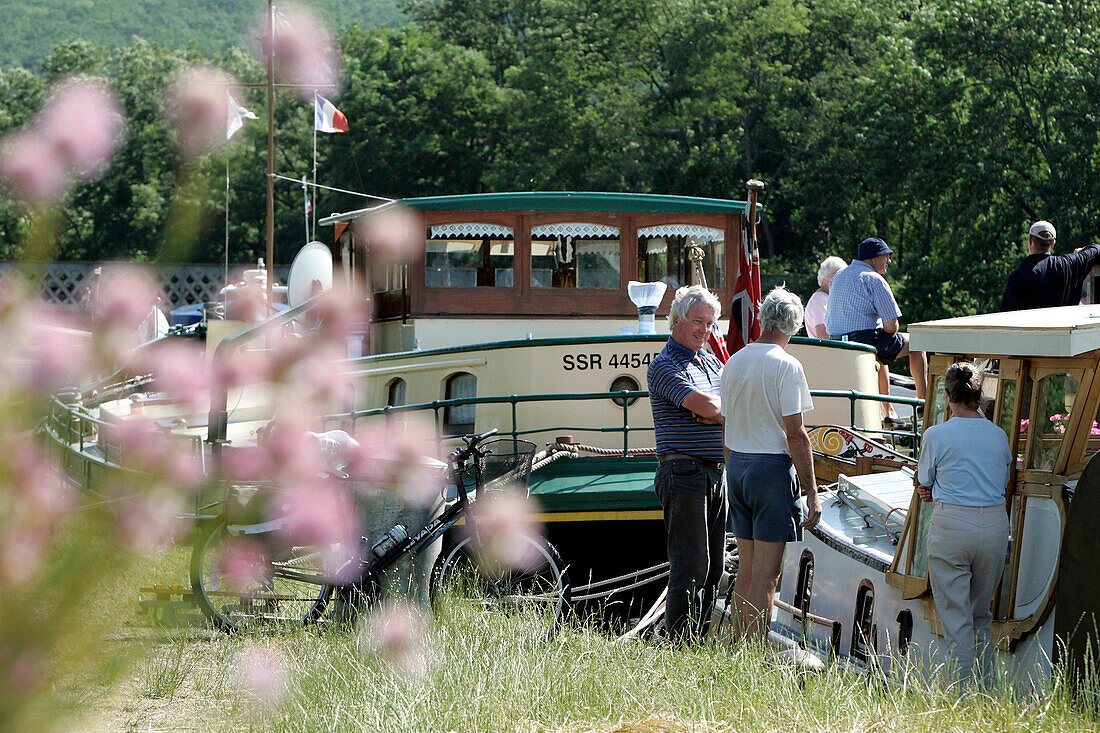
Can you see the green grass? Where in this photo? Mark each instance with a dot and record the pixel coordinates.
(483, 671)
(488, 672)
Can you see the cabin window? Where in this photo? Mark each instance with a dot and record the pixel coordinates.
(459, 419)
(625, 383)
(1093, 444)
(1054, 400)
(395, 393)
(1008, 406)
(938, 398)
(805, 586)
(863, 628)
(575, 255)
(663, 254)
(469, 255)
(905, 630)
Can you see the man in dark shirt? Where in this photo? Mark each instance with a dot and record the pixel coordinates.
(1045, 280)
(690, 479)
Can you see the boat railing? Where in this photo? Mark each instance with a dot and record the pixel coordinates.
(624, 399)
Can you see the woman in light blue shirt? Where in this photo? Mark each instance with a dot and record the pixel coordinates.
(964, 468)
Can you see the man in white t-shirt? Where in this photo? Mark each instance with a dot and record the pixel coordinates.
(764, 393)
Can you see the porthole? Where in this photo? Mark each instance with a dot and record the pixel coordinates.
(625, 383)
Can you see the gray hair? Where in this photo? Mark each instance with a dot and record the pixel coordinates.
(687, 298)
(829, 266)
(781, 311)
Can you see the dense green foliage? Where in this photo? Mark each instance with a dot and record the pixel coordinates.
(31, 30)
(943, 126)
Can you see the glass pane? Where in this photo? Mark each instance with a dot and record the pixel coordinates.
(458, 262)
(459, 419)
(1003, 611)
(1053, 406)
(1094, 438)
(665, 259)
(1025, 421)
(919, 553)
(1008, 406)
(396, 393)
(565, 261)
(938, 400)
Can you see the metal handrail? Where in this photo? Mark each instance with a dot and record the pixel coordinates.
(621, 397)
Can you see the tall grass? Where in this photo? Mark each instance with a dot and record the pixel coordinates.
(489, 672)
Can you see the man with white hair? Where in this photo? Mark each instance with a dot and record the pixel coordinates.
(764, 393)
(1045, 280)
(687, 420)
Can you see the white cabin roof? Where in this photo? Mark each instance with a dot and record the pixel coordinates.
(1067, 331)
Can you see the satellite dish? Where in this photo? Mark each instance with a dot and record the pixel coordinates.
(310, 273)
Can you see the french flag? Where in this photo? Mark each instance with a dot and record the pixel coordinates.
(326, 118)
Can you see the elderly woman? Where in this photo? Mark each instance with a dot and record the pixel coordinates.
(816, 305)
(764, 394)
(964, 468)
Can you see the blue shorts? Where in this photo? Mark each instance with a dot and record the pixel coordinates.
(887, 345)
(763, 494)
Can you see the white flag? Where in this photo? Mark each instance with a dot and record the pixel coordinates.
(237, 116)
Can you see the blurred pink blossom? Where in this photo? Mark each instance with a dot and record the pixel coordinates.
(323, 515)
(152, 521)
(244, 565)
(262, 673)
(24, 673)
(23, 548)
(180, 369)
(503, 524)
(50, 352)
(198, 108)
(397, 634)
(304, 51)
(401, 456)
(74, 136)
(33, 168)
(393, 234)
(83, 119)
(39, 486)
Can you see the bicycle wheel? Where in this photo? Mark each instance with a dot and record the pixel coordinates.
(541, 592)
(241, 583)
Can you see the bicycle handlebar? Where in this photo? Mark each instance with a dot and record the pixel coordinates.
(471, 441)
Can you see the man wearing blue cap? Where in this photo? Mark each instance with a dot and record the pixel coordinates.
(862, 308)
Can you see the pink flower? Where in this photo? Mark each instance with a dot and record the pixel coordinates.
(400, 456)
(304, 52)
(74, 136)
(150, 522)
(33, 168)
(321, 515)
(50, 352)
(23, 549)
(83, 120)
(397, 634)
(244, 565)
(198, 108)
(262, 673)
(393, 234)
(503, 523)
(180, 369)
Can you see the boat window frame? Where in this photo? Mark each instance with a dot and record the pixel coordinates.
(447, 426)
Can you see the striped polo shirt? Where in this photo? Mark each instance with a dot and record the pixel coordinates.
(674, 374)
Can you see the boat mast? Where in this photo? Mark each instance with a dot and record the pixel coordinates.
(270, 152)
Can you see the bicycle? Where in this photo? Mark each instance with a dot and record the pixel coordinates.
(287, 586)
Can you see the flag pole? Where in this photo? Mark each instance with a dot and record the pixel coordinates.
(227, 219)
(313, 209)
(270, 153)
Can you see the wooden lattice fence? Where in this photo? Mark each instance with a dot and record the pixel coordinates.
(63, 283)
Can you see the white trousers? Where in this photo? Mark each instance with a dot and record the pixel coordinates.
(966, 558)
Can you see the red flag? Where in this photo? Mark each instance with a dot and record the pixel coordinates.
(717, 344)
(745, 309)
